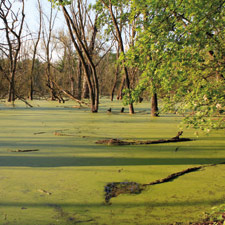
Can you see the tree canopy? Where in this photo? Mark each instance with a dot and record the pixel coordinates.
(180, 50)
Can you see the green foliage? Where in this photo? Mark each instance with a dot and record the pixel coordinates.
(180, 50)
(121, 10)
(60, 2)
(216, 215)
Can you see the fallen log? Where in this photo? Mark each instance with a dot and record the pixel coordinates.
(27, 150)
(42, 132)
(121, 142)
(173, 176)
(113, 142)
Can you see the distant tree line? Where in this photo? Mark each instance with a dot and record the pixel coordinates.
(29, 68)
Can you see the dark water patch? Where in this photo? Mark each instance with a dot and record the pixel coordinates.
(116, 188)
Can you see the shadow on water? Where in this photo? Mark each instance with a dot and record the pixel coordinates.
(115, 204)
(37, 161)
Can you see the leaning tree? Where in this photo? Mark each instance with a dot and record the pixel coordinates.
(84, 50)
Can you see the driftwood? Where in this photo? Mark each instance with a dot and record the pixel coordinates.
(27, 150)
(39, 133)
(120, 142)
(44, 192)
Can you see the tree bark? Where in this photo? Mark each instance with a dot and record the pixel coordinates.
(115, 82)
(11, 97)
(116, 74)
(85, 92)
(120, 91)
(31, 91)
(79, 75)
(154, 105)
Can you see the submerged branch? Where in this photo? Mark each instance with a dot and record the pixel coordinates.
(23, 100)
(69, 94)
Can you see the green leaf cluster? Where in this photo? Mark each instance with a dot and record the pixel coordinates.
(181, 50)
(216, 215)
(60, 2)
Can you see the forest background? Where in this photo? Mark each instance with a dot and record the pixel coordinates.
(167, 52)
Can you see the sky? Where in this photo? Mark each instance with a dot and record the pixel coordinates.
(32, 14)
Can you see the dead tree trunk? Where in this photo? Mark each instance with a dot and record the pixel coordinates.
(79, 75)
(31, 91)
(116, 74)
(47, 37)
(154, 105)
(115, 82)
(120, 91)
(11, 97)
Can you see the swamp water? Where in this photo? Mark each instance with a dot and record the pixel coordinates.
(52, 171)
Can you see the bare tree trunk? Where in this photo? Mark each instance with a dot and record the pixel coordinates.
(11, 97)
(34, 54)
(121, 46)
(154, 104)
(85, 58)
(47, 36)
(115, 82)
(82, 59)
(31, 97)
(50, 84)
(120, 92)
(72, 88)
(79, 75)
(116, 74)
(85, 92)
